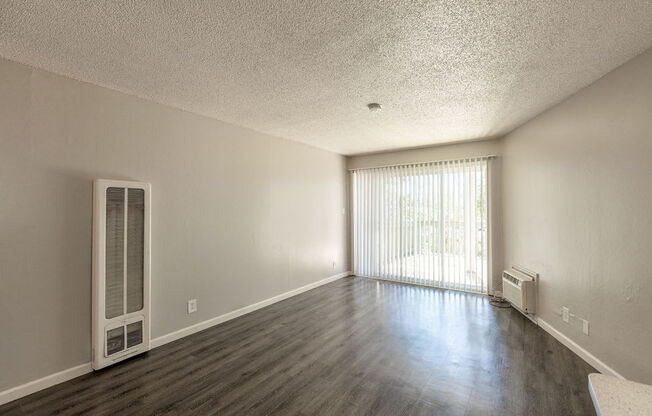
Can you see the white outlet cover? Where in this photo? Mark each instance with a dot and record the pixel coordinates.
(192, 305)
(585, 326)
(565, 314)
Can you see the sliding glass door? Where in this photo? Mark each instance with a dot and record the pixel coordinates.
(423, 224)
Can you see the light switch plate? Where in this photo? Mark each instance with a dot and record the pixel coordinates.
(565, 314)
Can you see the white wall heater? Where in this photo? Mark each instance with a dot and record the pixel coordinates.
(121, 270)
(520, 290)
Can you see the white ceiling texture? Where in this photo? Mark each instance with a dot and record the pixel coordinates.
(443, 71)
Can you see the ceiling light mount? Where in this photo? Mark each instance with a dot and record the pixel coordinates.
(374, 107)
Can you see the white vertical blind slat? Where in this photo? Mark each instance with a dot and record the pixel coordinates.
(425, 224)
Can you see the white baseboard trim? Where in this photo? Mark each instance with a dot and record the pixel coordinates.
(70, 373)
(184, 332)
(573, 346)
(43, 383)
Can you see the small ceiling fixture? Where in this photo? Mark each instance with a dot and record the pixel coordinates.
(374, 107)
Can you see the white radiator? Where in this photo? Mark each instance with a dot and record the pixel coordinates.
(520, 290)
(121, 270)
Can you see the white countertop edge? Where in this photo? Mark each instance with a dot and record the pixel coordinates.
(594, 398)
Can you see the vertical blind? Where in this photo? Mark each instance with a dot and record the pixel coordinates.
(423, 224)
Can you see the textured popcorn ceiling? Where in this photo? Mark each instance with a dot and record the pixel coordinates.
(305, 70)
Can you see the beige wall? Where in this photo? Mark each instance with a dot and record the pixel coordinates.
(448, 152)
(237, 216)
(577, 186)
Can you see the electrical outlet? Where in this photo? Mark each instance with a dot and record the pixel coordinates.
(585, 326)
(565, 314)
(333, 265)
(192, 305)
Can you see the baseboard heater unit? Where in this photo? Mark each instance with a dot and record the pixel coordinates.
(121, 270)
(520, 290)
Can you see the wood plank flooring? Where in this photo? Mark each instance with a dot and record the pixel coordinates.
(353, 347)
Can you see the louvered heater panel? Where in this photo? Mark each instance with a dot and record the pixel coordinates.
(121, 270)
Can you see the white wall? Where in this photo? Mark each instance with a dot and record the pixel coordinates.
(577, 186)
(449, 152)
(237, 216)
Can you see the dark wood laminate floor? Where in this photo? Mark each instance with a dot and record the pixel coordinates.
(356, 346)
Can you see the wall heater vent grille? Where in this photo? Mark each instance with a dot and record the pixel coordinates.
(121, 270)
